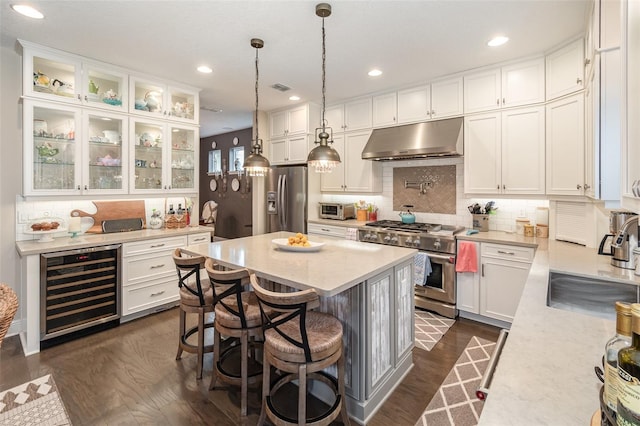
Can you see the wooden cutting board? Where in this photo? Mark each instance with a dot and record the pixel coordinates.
(109, 210)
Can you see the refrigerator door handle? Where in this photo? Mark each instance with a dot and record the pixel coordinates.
(283, 203)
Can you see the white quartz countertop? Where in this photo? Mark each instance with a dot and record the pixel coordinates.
(545, 375)
(338, 266)
(349, 223)
(30, 247)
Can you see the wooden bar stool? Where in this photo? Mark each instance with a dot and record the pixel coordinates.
(196, 297)
(300, 343)
(237, 315)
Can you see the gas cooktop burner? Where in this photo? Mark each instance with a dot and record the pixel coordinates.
(420, 227)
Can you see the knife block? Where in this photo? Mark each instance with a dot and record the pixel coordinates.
(481, 222)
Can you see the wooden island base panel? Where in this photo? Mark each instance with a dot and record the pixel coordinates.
(368, 287)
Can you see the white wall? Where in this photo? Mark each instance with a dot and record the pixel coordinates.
(10, 163)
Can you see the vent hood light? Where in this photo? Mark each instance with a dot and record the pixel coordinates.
(27, 11)
(498, 41)
(374, 73)
(204, 69)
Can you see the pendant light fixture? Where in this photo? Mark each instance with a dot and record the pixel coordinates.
(323, 158)
(255, 164)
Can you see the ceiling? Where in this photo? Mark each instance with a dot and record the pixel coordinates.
(410, 41)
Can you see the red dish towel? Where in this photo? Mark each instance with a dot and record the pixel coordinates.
(467, 260)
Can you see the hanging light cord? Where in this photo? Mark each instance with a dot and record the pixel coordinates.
(324, 88)
(257, 145)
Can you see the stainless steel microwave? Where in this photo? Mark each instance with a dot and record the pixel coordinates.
(337, 211)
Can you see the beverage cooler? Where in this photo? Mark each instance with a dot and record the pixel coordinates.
(80, 292)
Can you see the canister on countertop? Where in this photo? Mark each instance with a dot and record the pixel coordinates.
(542, 231)
(520, 222)
(528, 230)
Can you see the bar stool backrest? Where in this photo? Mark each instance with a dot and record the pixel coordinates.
(229, 283)
(286, 307)
(187, 267)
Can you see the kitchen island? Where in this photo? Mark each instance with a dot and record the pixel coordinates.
(369, 287)
(545, 374)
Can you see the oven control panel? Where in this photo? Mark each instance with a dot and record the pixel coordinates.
(408, 239)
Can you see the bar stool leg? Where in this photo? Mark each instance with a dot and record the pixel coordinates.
(302, 394)
(266, 387)
(216, 358)
(244, 371)
(200, 342)
(183, 315)
(341, 389)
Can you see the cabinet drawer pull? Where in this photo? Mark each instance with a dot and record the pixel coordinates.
(506, 252)
(498, 101)
(157, 245)
(482, 270)
(156, 266)
(199, 239)
(578, 80)
(325, 229)
(157, 294)
(504, 101)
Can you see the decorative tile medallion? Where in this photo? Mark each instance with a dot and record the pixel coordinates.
(430, 189)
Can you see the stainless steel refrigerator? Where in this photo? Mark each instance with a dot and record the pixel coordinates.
(287, 199)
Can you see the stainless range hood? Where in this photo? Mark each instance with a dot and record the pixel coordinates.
(440, 138)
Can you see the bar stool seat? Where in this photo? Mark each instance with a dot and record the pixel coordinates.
(237, 316)
(196, 297)
(300, 343)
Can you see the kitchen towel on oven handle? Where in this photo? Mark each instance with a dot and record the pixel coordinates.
(422, 268)
(467, 260)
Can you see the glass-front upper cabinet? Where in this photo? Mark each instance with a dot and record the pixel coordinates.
(51, 134)
(104, 87)
(160, 100)
(184, 143)
(105, 158)
(147, 156)
(51, 75)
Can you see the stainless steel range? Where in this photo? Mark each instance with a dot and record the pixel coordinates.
(438, 241)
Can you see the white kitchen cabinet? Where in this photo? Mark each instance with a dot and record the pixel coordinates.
(353, 174)
(293, 149)
(565, 70)
(294, 121)
(414, 104)
(163, 156)
(591, 38)
(440, 99)
(357, 115)
(159, 99)
(70, 150)
(385, 109)
(468, 286)
(513, 85)
(630, 115)
(503, 273)
(149, 278)
(565, 146)
(50, 74)
(591, 108)
(446, 98)
(504, 152)
(327, 230)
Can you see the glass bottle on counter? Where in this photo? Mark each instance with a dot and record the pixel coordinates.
(621, 340)
(171, 210)
(628, 406)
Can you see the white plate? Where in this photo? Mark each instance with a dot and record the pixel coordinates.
(283, 244)
(235, 184)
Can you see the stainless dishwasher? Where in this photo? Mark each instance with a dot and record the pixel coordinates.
(79, 291)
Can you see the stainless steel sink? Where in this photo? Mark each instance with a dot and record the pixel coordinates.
(590, 296)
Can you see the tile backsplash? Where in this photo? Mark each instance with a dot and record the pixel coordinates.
(430, 189)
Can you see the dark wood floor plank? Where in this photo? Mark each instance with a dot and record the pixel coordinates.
(128, 375)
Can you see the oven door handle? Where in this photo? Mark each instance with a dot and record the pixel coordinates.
(442, 257)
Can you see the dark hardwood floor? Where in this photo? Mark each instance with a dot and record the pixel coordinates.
(129, 376)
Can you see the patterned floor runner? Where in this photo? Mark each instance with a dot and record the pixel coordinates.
(33, 403)
(429, 328)
(455, 402)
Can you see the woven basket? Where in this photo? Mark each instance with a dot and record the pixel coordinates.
(175, 221)
(8, 308)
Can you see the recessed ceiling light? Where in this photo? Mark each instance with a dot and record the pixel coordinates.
(294, 98)
(204, 69)
(29, 11)
(498, 41)
(374, 72)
